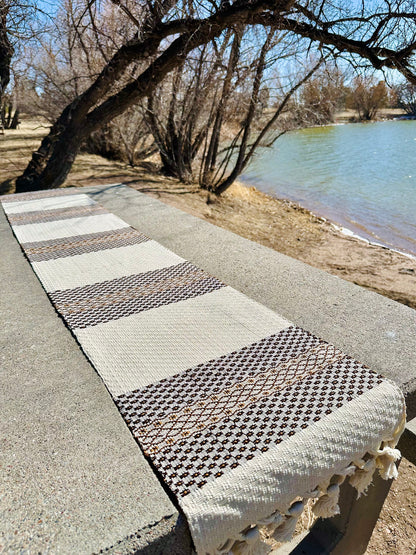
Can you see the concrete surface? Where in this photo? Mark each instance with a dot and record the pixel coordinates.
(407, 443)
(74, 481)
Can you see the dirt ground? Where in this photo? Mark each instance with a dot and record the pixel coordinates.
(280, 225)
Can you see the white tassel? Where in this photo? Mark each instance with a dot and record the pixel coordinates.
(250, 543)
(296, 509)
(349, 471)
(324, 485)
(284, 532)
(252, 536)
(282, 527)
(275, 518)
(363, 476)
(385, 462)
(359, 463)
(271, 523)
(226, 547)
(313, 494)
(327, 505)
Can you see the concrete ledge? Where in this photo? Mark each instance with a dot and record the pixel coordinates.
(170, 536)
(75, 481)
(407, 443)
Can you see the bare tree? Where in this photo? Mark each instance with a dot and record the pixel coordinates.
(207, 116)
(367, 96)
(18, 21)
(73, 52)
(177, 111)
(125, 138)
(320, 97)
(165, 33)
(406, 98)
(210, 157)
(245, 143)
(188, 107)
(71, 55)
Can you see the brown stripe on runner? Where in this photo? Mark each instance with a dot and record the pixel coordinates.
(110, 300)
(93, 242)
(43, 216)
(210, 377)
(20, 197)
(229, 400)
(230, 440)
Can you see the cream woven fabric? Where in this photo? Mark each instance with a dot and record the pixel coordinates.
(244, 415)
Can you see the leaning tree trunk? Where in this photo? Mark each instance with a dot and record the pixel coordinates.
(15, 119)
(61, 160)
(9, 119)
(241, 161)
(210, 161)
(51, 163)
(6, 49)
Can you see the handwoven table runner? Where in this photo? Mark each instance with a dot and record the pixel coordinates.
(244, 415)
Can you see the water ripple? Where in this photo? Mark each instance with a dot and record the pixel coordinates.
(362, 176)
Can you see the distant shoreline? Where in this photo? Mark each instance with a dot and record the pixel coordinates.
(351, 116)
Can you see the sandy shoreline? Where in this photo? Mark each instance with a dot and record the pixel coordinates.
(350, 233)
(342, 252)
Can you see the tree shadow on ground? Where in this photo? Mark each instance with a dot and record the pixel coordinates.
(146, 177)
(7, 186)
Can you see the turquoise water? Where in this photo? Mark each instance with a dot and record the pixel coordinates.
(361, 176)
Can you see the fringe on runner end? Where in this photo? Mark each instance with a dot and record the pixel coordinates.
(280, 526)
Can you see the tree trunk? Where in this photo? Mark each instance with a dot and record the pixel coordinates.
(51, 163)
(15, 121)
(6, 50)
(241, 161)
(174, 140)
(72, 123)
(211, 156)
(57, 169)
(60, 162)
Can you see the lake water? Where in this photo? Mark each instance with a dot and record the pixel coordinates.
(361, 176)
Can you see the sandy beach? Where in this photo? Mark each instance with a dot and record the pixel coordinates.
(280, 225)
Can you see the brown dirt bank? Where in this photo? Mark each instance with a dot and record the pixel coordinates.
(280, 225)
